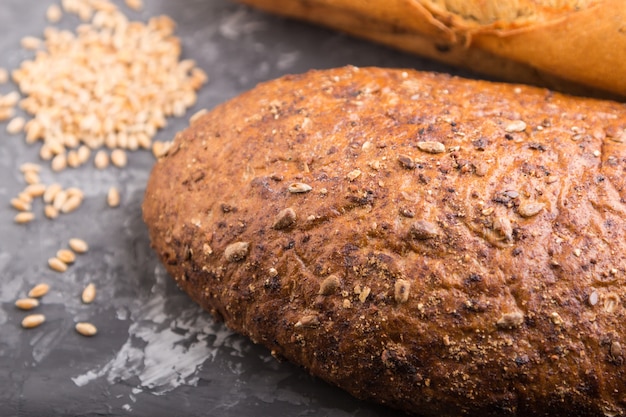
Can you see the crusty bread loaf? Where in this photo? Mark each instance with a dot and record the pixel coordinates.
(440, 245)
(553, 43)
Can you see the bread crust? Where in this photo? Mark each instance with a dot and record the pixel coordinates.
(575, 46)
(440, 245)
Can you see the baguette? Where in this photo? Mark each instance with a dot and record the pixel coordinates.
(440, 245)
(570, 45)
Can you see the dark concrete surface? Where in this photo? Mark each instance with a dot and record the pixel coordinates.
(156, 353)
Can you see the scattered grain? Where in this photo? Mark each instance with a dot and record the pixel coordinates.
(89, 294)
(113, 197)
(73, 160)
(78, 245)
(24, 217)
(20, 205)
(54, 13)
(59, 199)
(51, 192)
(27, 303)
(29, 166)
(50, 212)
(25, 197)
(16, 125)
(593, 298)
(101, 160)
(33, 320)
(135, 4)
(57, 265)
(86, 329)
(119, 158)
(31, 42)
(431, 147)
(66, 256)
(39, 291)
(71, 204)
(236, 252)
(35, 190)
(4, 75)
(9, 100)
(31, 177)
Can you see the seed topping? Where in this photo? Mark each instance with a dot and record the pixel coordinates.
(237, 252)
(431, 147)
(299, 187)
(285, 219)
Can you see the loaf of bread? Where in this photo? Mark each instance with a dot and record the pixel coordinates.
(440, 245)
(553, 43)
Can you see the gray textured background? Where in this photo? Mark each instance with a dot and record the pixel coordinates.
(156, 354)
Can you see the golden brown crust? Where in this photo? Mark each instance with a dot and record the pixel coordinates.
(556, 44)
(440, 245)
